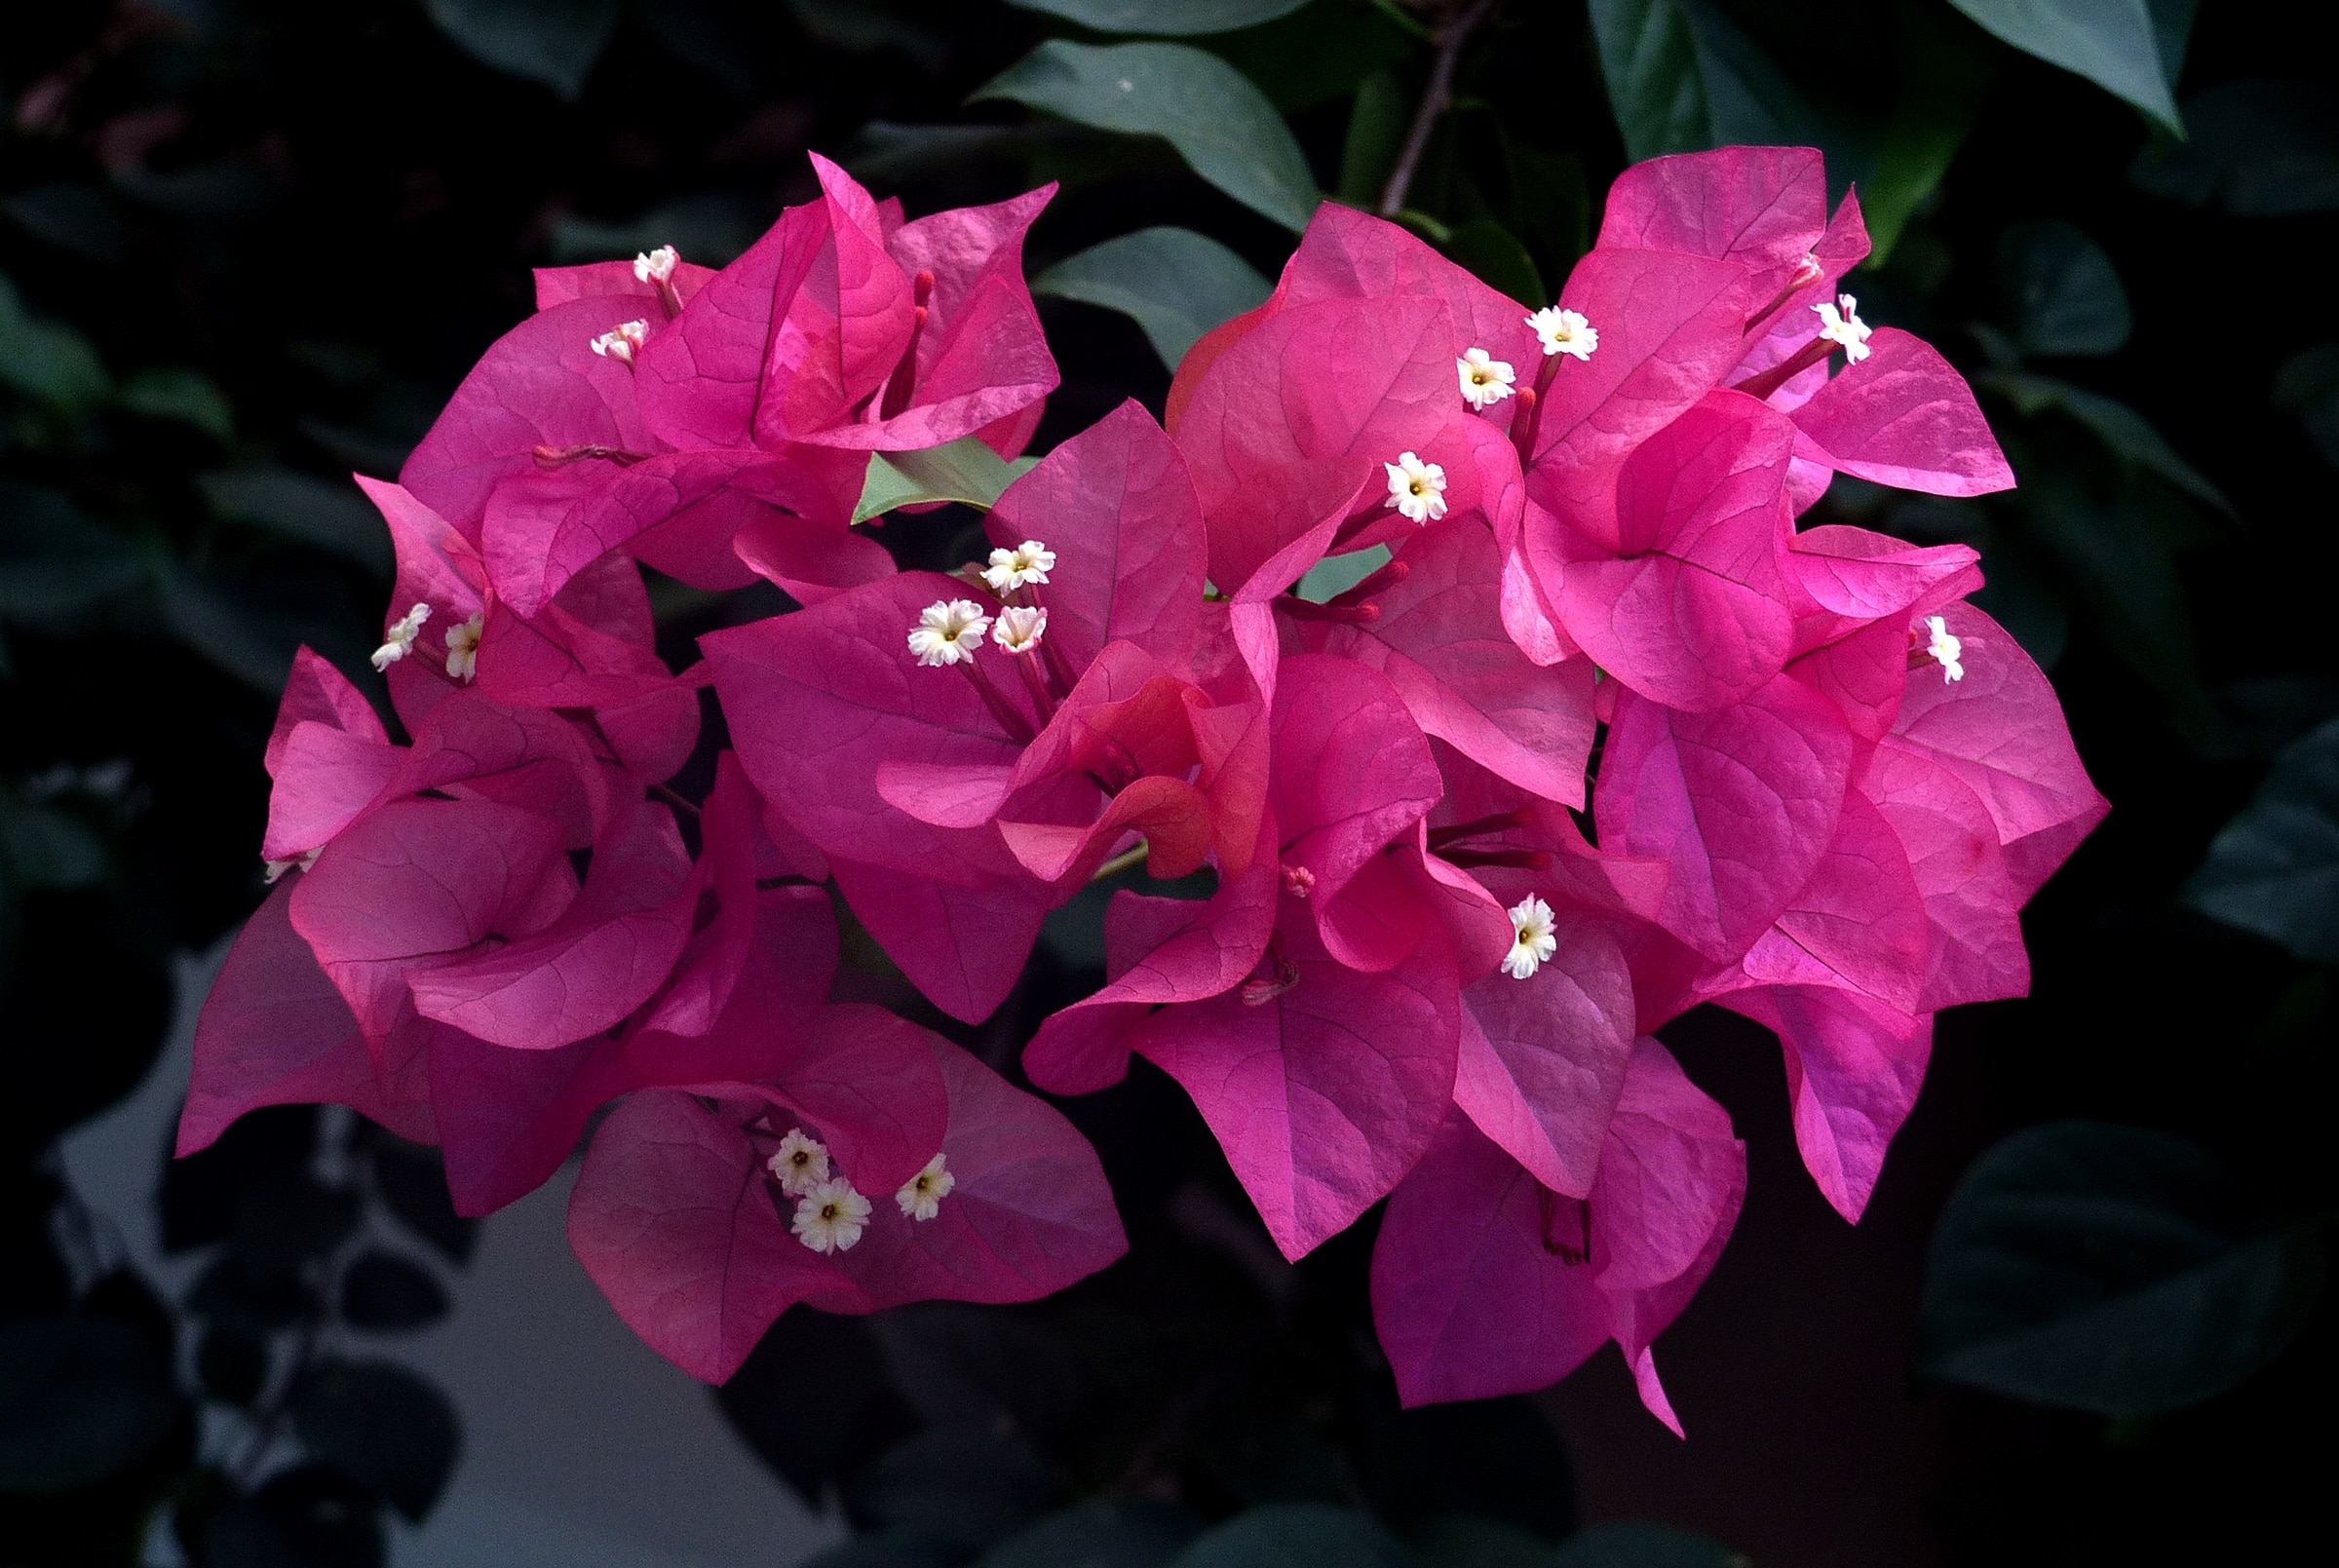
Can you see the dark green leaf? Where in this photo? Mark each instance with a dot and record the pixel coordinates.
(47, 360)
(2274, 868)
(2097, 1267)
(1548, 206)
(709, 229)
(254, 1298)
(2123, 556)
(2308, 386)
(77, 219)
(1180, 19)
(285, 1223)
(55, 563)
(233, 1363)
(412, 1180)
(2128, 434)
(813, 1400)
(975, 1486)
(2061, 290)
(1176, 283)
(891, 1548)
(1495, 1462)
(965, 470)
(1376, 133)
(1318, 54)
(386, 1293)
(201, 1192)
(80, 1398)
(328, 515)
(46, 845)
(2266, 149)
(382, 1427)
(1630, 1543)
(1335, 575)
(885, 151)
(1223, 127)
(554, 42)
(1468, 1541)
(1495, 256)
(307, 1517)
(868, 26)
(1682, 78)
(1946, 73)
(1106, 1532)
(183, 397)
(2113, 43)
(1296, 1534)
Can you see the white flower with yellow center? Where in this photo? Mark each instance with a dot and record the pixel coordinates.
(1565, 331)
(1844, 327)
(921, 1195)
(1486, 379)
(1010, 569)
(656, 266)
(1417, 489)
(463, 647)
(1532, 941)
(949, 631)
(621, 343)
(801, 1164)
(1018, 629)
(831, 1216)
(1945, 649)
(399, 640)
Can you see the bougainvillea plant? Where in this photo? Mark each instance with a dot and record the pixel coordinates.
(1597, 735)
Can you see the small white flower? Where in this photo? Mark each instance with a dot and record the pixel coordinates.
(1010, 569)
(273, 869)
(1416, 488)
(1486, 379)
(1018, 629)
(1533, 941)
(948, 631)
(1565, 331)
(1844, 327)
(921, 1195)
(656, 266)
(463, 647)
(621, 343)
(1945, 649)
(831, 1216)
(398, 641)
(801, 1164)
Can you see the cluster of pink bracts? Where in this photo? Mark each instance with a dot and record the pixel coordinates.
(1821, 785)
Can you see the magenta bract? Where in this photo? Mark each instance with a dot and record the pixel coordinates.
(1819, 784)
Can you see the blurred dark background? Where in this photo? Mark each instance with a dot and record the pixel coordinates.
(250, 246)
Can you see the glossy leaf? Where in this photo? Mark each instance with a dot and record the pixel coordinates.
(965, 470)
(80, 1398)
(2062, 289)
(2095, 1267)
(2111, 43)
(1219, 123)
(47, 360)
(1295, 1535)
(2274, 868)
(1174, 283)
(554, 42)
(382, 1426)
(2260, 148)
(1632, 1543)
(1682, 78)
(1166, 18)
(323, 513)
